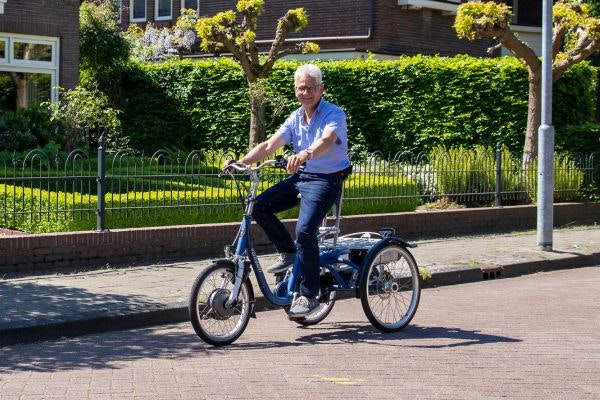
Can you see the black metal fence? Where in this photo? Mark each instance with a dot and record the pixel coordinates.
(82, 191)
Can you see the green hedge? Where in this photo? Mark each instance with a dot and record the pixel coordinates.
(410, 104)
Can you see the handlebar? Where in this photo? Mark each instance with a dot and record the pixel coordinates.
(279, 161)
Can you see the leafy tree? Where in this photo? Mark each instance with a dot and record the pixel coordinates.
(576, 36)
(236, 33)
(103, 49)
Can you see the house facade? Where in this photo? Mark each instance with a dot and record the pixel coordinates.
(39, 50)
(353, 28)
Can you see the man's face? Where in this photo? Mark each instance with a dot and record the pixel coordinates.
(308, 92)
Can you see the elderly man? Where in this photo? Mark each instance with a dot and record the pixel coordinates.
(318, 133)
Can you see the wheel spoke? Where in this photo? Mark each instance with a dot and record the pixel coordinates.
(392, 293)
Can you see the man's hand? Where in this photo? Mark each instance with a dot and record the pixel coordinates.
(295, 162)
(227, 169)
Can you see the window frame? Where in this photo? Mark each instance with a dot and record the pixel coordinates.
(132, 11)
(10, 64)
(183, 6)
(157, 9)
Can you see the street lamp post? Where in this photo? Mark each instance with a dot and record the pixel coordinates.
(545, 187)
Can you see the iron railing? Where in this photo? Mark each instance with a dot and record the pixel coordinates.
(115, 185)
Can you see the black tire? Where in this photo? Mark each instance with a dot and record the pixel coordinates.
(213, 322)
(390, 288)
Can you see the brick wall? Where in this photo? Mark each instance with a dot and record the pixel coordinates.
(381, 25)
(76, 249)
(58, 18)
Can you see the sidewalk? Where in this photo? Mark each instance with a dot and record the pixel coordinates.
(72, 303)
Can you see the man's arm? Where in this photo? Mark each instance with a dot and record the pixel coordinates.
(319, 146)
(264, 149)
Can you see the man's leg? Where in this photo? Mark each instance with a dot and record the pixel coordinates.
(279, 197)
(318, 194)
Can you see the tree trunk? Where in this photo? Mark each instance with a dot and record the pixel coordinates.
(20, 81)
(257, 119)
(534, 109)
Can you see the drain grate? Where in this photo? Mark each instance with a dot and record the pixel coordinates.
(491, 272)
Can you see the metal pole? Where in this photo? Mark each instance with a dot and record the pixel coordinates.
(101, 189)
(498, 195)
(545, 187)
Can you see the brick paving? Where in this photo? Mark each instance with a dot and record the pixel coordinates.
(76, 302)
(530, 337)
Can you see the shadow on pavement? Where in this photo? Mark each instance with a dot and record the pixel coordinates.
(24, 304)
(113, 349)
(366, 333)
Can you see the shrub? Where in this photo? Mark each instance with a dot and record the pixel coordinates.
(27, 128)
(410, 104)
(464, 174)
(568, 179)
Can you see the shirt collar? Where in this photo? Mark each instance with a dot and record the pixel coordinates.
(321, 104)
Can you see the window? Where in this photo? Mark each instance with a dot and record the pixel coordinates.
(138, 10)
(30, 51)
(3, 49)
(24, 89)
(163, 9)
(29, 69)
(190, 4)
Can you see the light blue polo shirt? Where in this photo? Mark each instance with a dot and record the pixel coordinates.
(301, 135)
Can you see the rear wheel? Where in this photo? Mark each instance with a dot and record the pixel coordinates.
(390, 288)
(213, 321)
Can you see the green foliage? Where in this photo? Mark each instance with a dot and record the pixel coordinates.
(568, 179)
(26, 129)
(103, 48)
(168, 206)
(461, 171)
(464, 171)
(86, 115)
(411, 104)
(476, 16)
(200, 105)
(578, 139)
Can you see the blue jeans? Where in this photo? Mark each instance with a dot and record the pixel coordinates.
(318, 193)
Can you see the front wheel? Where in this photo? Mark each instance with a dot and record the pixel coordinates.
(212, 320)
(390, 288)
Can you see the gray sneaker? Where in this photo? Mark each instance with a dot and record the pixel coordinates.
(303, 306)
(285, 261)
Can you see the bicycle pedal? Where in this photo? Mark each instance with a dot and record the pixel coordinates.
(295, 319)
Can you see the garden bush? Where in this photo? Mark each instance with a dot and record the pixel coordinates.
(410, 104)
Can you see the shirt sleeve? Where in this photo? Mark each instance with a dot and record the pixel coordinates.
(336, 121)
(286, 130)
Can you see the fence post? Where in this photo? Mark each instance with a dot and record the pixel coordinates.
(101, 179)
(497, 196)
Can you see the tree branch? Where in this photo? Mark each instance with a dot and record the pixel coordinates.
(557, 39)
(559, 67)
(523, 52)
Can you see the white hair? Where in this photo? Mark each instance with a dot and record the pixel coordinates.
(311, 70)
